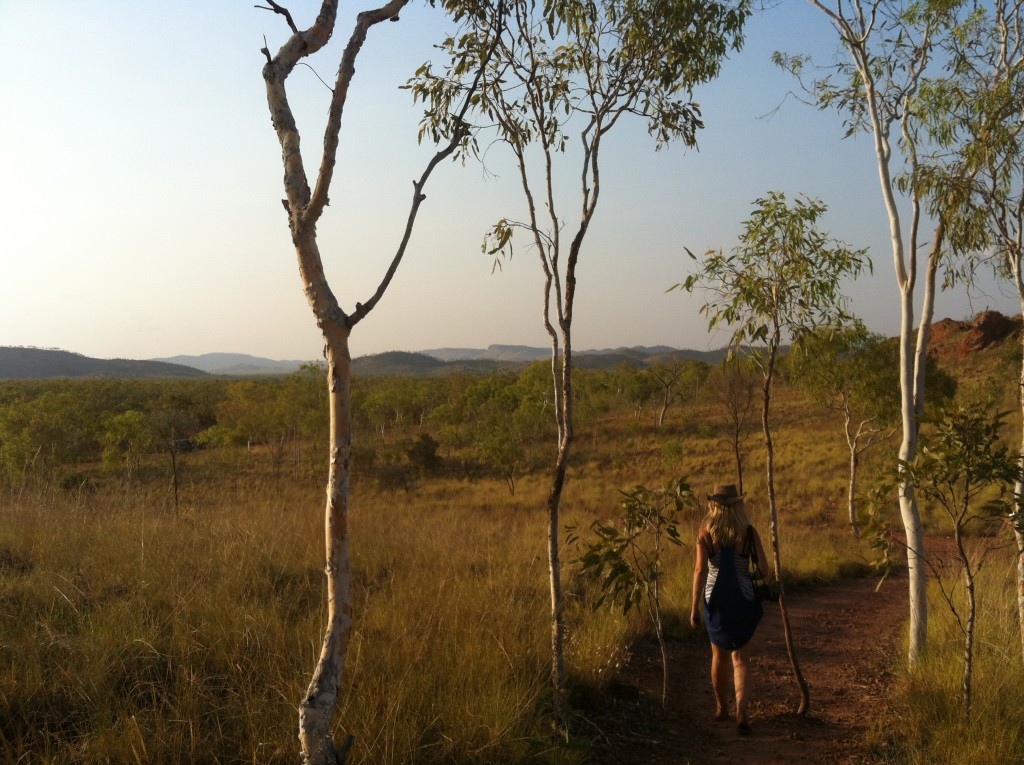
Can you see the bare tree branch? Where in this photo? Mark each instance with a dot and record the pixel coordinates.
(458, 136)
(272, 6)
(346, 71)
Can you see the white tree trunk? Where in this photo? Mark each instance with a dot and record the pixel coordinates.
(563, 386)
(917, 579)
(316, 709)
(1018, 528)
(912, 381)
(851, 491)
(905, 266)
(1019, 539)
(851, 496)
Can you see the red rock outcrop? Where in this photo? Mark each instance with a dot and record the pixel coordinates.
(989, 327)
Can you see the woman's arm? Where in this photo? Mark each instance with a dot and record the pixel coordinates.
(700, 576)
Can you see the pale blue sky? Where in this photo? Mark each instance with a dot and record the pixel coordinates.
(141, 212)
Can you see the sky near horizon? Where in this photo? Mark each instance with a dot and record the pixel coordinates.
(141, 213)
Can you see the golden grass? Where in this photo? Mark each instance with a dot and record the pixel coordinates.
(131, 633)
(926, 723)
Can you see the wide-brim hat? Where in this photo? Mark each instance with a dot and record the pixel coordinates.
(725, 494)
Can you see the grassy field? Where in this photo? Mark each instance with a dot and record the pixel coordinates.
(131, 632)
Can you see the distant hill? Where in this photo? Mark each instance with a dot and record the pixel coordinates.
(404, 363)
(440, 361)
(34, 363)
(235, 364)
(511, 353)
(638, 356)
(23, 363)
(952, 342)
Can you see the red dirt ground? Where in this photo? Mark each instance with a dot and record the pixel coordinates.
(846, 635)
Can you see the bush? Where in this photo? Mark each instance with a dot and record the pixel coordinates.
(422, 453)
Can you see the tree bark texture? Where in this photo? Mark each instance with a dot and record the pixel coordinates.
(557, 597)
(316, 709)
(912, 367)
(917, 579)
(851, 498)
(851, 493)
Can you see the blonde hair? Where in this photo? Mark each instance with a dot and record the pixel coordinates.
(726, 524)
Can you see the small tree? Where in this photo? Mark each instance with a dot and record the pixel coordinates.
(782, 280)
(172, 428)
(958, 463)
(422, 454)
(127, 438)
(637, 387)
(732, 386)
(625, 559)
(678, 381)
(854, 373)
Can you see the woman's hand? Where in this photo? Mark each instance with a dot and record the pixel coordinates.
(694, 618)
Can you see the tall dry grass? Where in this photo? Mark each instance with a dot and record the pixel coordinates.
(132, 633)
(925, 721)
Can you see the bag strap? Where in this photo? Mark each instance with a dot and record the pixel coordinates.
(755, 562)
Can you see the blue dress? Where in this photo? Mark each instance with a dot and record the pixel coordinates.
(731, 612)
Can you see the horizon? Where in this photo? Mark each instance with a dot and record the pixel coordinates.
(198, 255)
(427, 351)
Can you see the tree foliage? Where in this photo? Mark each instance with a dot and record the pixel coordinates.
(625, 556)
(960, 463)
(781, 282)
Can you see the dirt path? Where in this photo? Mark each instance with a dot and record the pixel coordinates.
(845, 634)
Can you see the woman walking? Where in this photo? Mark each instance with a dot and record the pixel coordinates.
(724, 592)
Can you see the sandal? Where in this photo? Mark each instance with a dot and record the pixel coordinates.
(744, 728)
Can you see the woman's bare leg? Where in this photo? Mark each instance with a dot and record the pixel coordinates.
(740, 667)
(720, 680)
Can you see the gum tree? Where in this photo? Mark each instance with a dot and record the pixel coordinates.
(304, 205)
(678, 381)
(567, 68)
(890, 46)
(781, 282)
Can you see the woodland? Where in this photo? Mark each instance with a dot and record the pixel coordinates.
(498, 552)
(162, 575)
